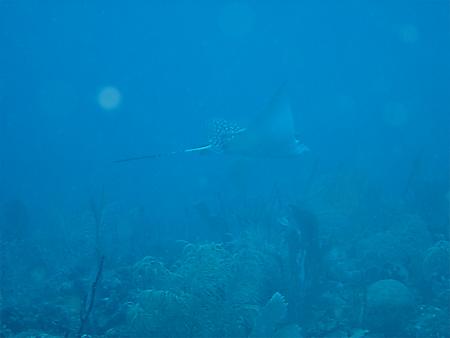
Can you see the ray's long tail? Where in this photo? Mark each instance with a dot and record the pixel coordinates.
(159, 155)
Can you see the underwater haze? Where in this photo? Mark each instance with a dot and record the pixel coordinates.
(225, 168)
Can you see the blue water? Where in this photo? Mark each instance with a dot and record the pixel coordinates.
(84, 83)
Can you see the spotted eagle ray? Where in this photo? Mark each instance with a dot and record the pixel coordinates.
(271, 134)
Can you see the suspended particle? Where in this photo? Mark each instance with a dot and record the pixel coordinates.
(109, 98)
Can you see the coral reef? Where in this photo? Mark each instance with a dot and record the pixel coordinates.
(280, 276)
(430, 322)
(395, 253)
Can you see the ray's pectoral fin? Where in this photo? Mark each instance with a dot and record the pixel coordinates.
(272, 132)
(275, 122)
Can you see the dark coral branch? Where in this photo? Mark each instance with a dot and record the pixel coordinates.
(84, 317)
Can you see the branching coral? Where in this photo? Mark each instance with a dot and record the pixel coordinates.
(160, 313)
(210, 291)
(205, 270)
(150, 273)
(193, 292)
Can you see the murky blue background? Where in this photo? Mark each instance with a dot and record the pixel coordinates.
(83, 83)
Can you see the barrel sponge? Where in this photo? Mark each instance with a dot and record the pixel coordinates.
(388, 305)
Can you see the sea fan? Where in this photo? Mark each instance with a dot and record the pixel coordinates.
(268, 323)
(274, 311)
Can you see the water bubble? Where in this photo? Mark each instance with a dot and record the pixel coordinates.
(109, 98)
